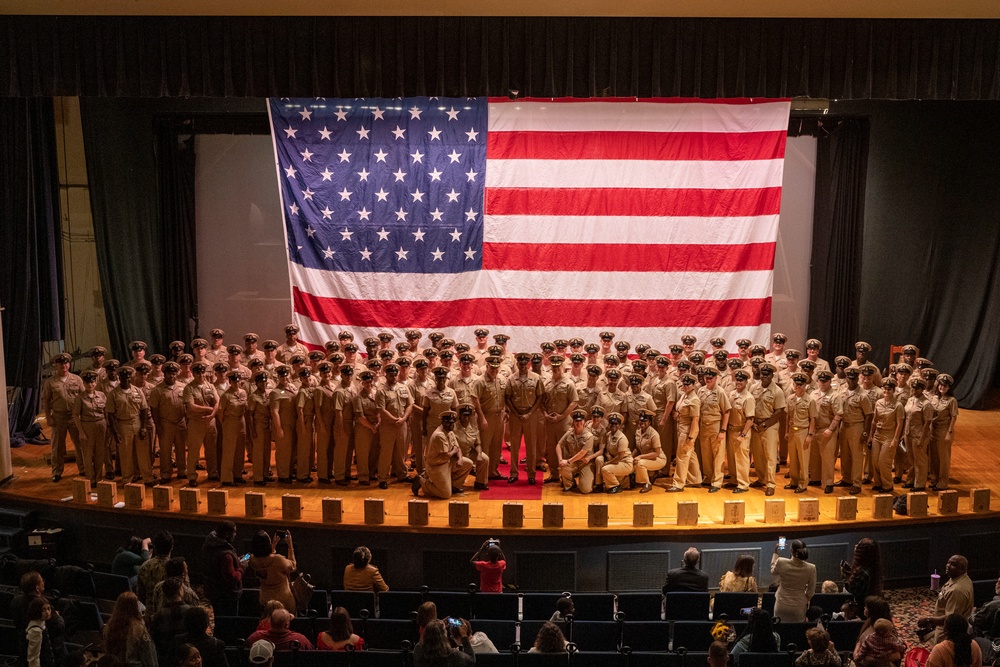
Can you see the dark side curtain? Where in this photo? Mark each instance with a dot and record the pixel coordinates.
(31, 252)
(353, 56)
(838, 232)
(143, 223)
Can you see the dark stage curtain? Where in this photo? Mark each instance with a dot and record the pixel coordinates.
(143, 223)
(538, 56)
(838, 233)
(31, 252)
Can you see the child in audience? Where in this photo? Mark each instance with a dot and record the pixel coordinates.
(829, 587)
(881, 647)
(718, 654)
(821, 652)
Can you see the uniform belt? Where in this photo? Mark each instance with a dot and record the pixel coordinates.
(799, 428)
(92, 421)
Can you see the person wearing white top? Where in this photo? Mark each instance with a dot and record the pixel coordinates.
(796, 583)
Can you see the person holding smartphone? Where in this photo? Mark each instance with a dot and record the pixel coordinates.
(797, 579)
(272, 568)
(223, 569)
(444, 645)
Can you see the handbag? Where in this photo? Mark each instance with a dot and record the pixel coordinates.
(302, 588)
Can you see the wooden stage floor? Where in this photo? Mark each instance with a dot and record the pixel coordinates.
(975, 464)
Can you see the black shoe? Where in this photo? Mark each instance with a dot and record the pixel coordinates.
(109, 477)
(788, 475)
(415, 486)
(342, 482)
(739, 490)
(260, 483)
(815, 483)
(240, 482)
(770, 491)
(757, 484)
(496, 478)
(458, 491)
(481, 487)
(149, 485)
(531, 480)
(674, 489)
(897, 479)
(908, 485)
(504, 461)
(615, 489)
(855, 490)
(866, 480)
(789, 487)
(365, 482)
(551, 480)
(843, 483)
(56, 478)
(714, 489)
(646, 488)
(512, 479)
(228, 484)
(199, 466)
(876, 489)
(193, 483)
(800, 489)
(565, 490)
(164, 480)
(598, 488)
(305, 480)
(383, 485)
(214, 478)
(729, 485)
(323, 480)
(828, 489)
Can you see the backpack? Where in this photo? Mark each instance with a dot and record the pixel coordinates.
(899, 506)
(916, 657)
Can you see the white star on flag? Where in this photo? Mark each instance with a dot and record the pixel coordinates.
(401, 254)
(382, 194)
(364, 214)
(415, 113)
(327, 213)
(472, 134)
(438, 254)
(470, 215)
(417, 195)
(326, 174)
(306, 114)
(310, 231)
(417, 157)
(381, 155)
(378, 113)
(306, 156)
(344, 155)
(436, 214)
(294, 208)
(324, 134)
(363, 174)
(308, 193)
(382, 234)
(399, 132)
(401, 214)
(341, 115)
(419, 235)
(453, 195)
(435, 134)
(290, 171)
(435, 175)
(345, 195)
(362, 133)
(400, 175)
(471, 175)
(290, 132)
(366, 254)
(454, 156)
(346, 234)
(456, 235)
(452, 114)
(328, 253)
(470, 254)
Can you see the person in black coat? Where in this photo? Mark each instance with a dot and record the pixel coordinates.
(212, 649)
(223, 569)
(689, 577)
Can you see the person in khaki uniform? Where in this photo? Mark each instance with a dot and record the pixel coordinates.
(612, 399)
(201, 402)
(769, 404)
(128, 421)
(166, 404)
(467, 434)
(854, 431)
(830, 412)
(943, 432)
(325, 410)
(437, 399)
(589, 392)
(418, 384)
(712, 427)
(232, 408)
(58, 396)
(741, 414)
(636, 400)
(395, 404)
(687, 417)
(91, 424)
(917, 432)
(259, 410)
(576, 451)
(305, 431)
(284, 417)
(343, 426)
(887, 427)
(446, 468)
(617, 455)
(663, 390)
(488, 394)
(560, 401)
(802, 414)
(291, 347)
(366, 424)
(523, 394)
(466, 378)
(649, 455)
(217, 348)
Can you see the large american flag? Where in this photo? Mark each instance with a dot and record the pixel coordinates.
(540, 219)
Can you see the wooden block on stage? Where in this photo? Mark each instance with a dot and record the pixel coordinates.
(254, 504)
(948, 501)
(642, 515)
(847, 508)
(774, 510)
(882, 507)
(980, 500)
(135, 494)
(513, 515)
(419, 512)
(333, 510)
(218, 501)
(107, 494)
(808, 509)
(916, 504)
(734, 512)
(552, 515)
(597, 515)
(458, 514)
(81, 490)
(190, 499)
(163, 498)
(291, 507)
(687, 513)
(374, 511)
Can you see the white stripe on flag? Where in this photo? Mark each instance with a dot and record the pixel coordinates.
(627, 229)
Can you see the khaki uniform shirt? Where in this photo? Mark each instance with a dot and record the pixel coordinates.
(234, 404)
(523, 391)
(560, 395)
(467, 436)
(89, 407)
(648, 442)
(571, 443)
(714, 404)
(364, 406)
(490, 393)
(204, 395)
(801, 410)
(767, 400)
(125, 406)
(286, 351)
(394, 400)
(857, 405)
(829, 404)
(463, 387)
(688, 408)
(617, 449)
(743, 408)
(259, 407)
(59, 394)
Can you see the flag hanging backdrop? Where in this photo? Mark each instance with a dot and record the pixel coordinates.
(540, 219)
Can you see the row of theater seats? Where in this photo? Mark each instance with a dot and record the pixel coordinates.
(391, 634)
(539, 606)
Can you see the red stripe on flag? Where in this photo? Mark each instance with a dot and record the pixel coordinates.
(631, 258)
(703, 203)
(634, 100)
(568, 313)
(719, 146)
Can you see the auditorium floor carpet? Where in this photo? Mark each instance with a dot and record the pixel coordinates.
(975, 464)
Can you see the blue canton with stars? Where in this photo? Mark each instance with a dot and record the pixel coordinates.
(382, 185)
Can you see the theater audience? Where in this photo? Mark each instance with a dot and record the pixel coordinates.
(564, 608)
(130, 558)
(436, 649)
(38, 648)
(272, 568)
(176, 569)
(188, 656)
(796, 583)
(740, 579)
(688, 577)
(426, 613)
(490, 562)
(758, 636)
(32, 587)
(126, 636)
(153, 571)
(361, 575)
(168, 621)
(223, 569)
(280, 634)
(262, 653)
(339, 634)
(718, 654)
(550, 639)
(265, 614)
(863, 576)
(955, 597)
(821, 652)
(956, 648)
(211, 650)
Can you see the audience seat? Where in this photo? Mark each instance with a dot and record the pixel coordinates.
(319, 602)
(844, 634)
(451, 603)
(793, 633)
(249, 604)
(354, 602)
(595, 635)
(779, 659)
(831, 602)
(538, 606)
(641, 606)
(498, 606)
(501, 633)
(767, 602)
(110, 586)
(732, 604)
(983, 591)
(398, 604)
(687, 606)
(647, 635)
(231, 628)
(387, 634)
(697, 635)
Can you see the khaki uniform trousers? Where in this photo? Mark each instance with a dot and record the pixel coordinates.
(764, 449)
(305, 446)
(939, 471)
(91, 448)
(582, 471)
(133, 451)
(528, 429)
(824, 456)
(416, 438)
(667, 435)
(798, 455)
(851, 454)
(392, 440)
(882, 453)
(553, 432)
(481, 462)
(62, 425)
(234, 437)
(738, 453)
(614, 474)
(492, 440)
(261, 454)
(343, 450)
(363, 440)
(903, 460)
(173, 447)
(688, 469)
(919, 450)
(284, 450)
(713, 452)
(200, 432)
(643, 466)
(439, 480)
(324, 447)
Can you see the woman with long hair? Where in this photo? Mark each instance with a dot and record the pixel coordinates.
(340, 634)
(758, 636)
(863, 576)
(957, 648)
(875, 608)
(740, 579)
(435, 648)
(797, 585)
(549, 639)
(125, 635)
